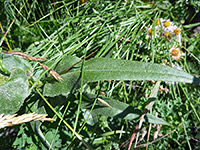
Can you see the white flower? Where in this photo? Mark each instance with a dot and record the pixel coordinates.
(176, 31)
(153, 31)
(176, 53)
(169, 29)
(166, 23)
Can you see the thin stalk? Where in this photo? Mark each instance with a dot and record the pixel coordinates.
(148, 136)
(76, 134)
(195, 112)
(4, 37)
(186, 135)
(152, 98)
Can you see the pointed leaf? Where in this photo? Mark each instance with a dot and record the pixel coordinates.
(66, 62)
(110, 69)
(98, 69)
(119, 110)
(70, 82)
(155, 120)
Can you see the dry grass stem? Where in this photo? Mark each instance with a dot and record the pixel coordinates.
(11, 120)
(54, 74)
(25, 56)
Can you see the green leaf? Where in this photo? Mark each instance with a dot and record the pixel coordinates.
(53, 136)
(11, 61)
(99, 69)
(69, 81)
(54, 88)
(155, 120)
(66, 62)
(163, 4)
(14, 92)
(3, 79)
(119, 110)
(191, 25)
(110, 69)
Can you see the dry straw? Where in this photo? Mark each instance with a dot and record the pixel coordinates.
(11, 120)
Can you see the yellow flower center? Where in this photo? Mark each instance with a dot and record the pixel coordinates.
(83, 1)
(177, 31)
(157, 22)
(151, 30)
(175, 52)
(166, 23)
(167, 33)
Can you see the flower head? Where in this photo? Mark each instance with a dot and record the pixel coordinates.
(176, 30)
(164, 27)
(176, 53)
(153, 31)
(166, 23)
(158, 22)
(150, 30)
(167, 33)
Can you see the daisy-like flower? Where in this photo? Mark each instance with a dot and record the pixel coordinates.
(176, 53)
(152, 31)
(170, 29)
(166, 23)
(167, 33)
(157, 22)
(176, 30)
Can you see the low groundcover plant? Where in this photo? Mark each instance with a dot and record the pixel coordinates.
(109, 75)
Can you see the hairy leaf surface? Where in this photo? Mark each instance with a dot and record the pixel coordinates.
(13, 92)
(99, 69)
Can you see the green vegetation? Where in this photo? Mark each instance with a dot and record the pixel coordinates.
(113, 74)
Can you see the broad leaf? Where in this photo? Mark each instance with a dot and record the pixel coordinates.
(110, 69)
(155, 120)
(11, 61)
(119, 110)
(70, 82)
(66, 62)
(99, 69)
(3, 79)
(13, 92)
